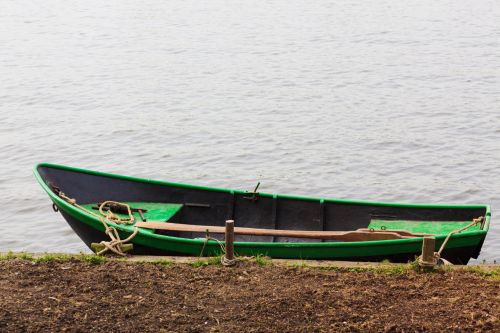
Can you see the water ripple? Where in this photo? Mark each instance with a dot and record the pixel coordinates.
(342, 99)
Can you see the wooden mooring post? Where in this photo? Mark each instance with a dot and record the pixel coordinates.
(228, 259)
(428, 259)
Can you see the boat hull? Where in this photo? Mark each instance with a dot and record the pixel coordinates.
(459, 251)
(212, 206)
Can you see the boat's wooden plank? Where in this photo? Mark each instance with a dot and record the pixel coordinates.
(330, 235)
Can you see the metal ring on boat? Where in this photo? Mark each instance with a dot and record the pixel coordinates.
(55, 208)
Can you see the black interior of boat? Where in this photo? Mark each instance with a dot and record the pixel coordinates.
(214, 207)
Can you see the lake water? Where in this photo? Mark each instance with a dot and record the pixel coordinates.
(376, 100)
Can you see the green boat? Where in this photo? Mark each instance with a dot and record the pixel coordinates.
(176, 219)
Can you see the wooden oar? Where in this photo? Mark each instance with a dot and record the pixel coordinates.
(351, 236)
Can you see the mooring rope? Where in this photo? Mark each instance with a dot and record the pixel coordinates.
(228, 262)
(115, 243)
(429, 258)
(223, 260)
(474, 222)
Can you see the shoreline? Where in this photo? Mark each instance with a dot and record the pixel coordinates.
(311, 263)
(61, 292)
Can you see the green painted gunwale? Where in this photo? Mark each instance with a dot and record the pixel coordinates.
(317, 250)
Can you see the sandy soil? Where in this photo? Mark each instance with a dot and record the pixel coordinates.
(78, 296)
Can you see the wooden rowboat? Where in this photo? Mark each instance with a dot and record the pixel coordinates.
(175, 219)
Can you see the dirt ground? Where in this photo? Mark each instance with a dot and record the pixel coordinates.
(78, 296)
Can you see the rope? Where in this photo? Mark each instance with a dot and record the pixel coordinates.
(228, 262)
(436, 259)
(115, 243)
(110, 216)
(223, 260)
(474, 222)
(437, 255)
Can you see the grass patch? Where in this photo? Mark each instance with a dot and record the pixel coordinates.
(8, 256)
(162, 263)
(93, 259)
(384, 268)
(48, 257)
(493, 274)
(346, 269)
(262, 260)
(207, 261)
(26, 256)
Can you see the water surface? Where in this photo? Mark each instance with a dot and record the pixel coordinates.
(375, 100)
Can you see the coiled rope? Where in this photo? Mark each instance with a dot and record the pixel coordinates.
(115, 243)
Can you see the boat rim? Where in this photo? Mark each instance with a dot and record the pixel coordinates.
(60, 201)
